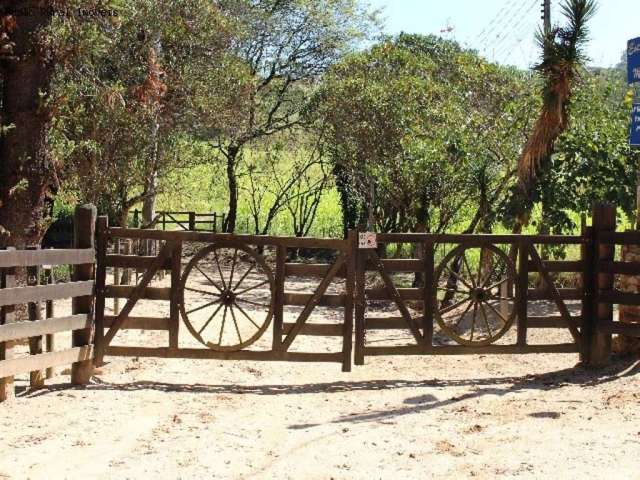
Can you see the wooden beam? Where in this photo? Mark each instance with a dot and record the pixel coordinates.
(562, 307)
(467, 350)
(139, 323)
(628, 329)
(311, 269)
(84, 234)
(221, 238)
(139, 290)
(553, 321)
(22, 330)
(27, 258)
(620, 268)
(558, 266)
(206, 354)
(415, 294)
(149, 293)
(563, 293)
(21, 365)
(397, 298)
(20, 295)
(278, 314)
(326, 300)
(316, 329)
(313, 302)
(139, 262)
(7, 317)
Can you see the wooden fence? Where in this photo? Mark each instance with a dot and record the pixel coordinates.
(188, 221)
(81, 289)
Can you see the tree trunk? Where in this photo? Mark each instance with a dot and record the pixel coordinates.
(232, 214)
(28, 173)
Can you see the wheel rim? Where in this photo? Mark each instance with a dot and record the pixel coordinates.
(226, 296)
(472, 307)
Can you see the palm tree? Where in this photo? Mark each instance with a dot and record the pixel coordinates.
(562, 61)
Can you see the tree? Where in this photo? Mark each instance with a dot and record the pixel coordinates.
(136, 90)
(407, 133)
(285, 47)
(28, 172)
(562, 59)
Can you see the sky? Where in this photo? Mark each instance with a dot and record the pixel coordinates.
(503, 30)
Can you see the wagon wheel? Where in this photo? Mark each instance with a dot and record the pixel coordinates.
(475, 306)
(226, 296)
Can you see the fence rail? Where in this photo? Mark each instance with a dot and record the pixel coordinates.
(39, 363)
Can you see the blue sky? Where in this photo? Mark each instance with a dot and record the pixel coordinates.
(503, 30)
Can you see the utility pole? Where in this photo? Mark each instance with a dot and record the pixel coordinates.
(546, 15)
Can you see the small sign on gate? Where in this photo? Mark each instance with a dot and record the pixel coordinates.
(367, 240)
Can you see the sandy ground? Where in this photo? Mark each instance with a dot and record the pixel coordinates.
(396, 417)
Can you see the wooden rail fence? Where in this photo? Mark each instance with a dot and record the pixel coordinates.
(39, 364)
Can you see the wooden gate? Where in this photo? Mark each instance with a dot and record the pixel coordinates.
(457, 295)
(488, 292)
(224, 268)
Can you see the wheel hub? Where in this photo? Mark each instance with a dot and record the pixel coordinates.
(228, 297)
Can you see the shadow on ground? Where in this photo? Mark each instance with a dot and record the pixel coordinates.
(480, 387)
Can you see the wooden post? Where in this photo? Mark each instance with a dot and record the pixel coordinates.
(588, 283)
(347, 334)
(278, 316)
(604, 220)
(429, 296)
(101, 280)
(522, 287)
(360, 305)
(7, 280)
(50, 313)
(116, 277)
(34, 310)
(174, 306)
(215, 222)
(83, 237)
(192, 221)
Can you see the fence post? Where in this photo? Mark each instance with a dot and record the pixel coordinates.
(278, 316)
(101, 280)
(83, 237)
(586, 256)
(429, 293)
(347, 339)
(604, 220)
(192, 221)
(7, 280)
(50, 313)
(34, 310)
(360, 304)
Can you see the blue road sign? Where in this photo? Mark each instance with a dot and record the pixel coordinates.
(634, 139)
(633, 60)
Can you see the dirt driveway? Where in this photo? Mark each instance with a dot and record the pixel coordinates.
(400, 417)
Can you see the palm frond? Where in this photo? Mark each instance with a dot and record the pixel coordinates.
(562, 58)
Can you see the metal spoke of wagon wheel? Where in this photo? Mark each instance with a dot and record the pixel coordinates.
(459, 277)
(215, 254)
(454, 290)
(243, 277)
(466, 264)
(253, 287)
(202, 306)
(224, 320)
(233, 267)
(253, 303)
(486, 321)
(245, 314)
(453, 307)
(497, 284)
(466, 310)
(235, 322)
(473, 325)
(201, 291)
(498, 314)
(208, 278)
(498, 297)
(210, 319)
